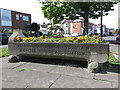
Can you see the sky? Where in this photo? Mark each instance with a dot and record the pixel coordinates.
(33, 7)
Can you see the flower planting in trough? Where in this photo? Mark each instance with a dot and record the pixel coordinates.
(93, 49)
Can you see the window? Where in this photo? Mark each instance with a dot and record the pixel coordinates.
(17, 16)
(25, 18)
(5, 18)
(76, 25)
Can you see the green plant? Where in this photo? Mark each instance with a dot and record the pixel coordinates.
(23, 69)
(27, 33)
(34, 27)
(9, 32)
(4, 52)
(113, 60)
(81, 39)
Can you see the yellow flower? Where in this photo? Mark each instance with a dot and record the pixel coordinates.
(69, 38)
(41, 37)
(81, 37)
(18, 38)
(25, 39)
(31, 38)
(83, 42)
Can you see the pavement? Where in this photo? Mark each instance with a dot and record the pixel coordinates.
(3, 46)
(52, 74)
(115, 49)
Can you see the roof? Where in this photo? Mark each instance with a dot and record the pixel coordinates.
(78, 20)
(15, 11)
(68, 21)
(44, 26)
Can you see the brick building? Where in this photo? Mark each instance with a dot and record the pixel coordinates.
(20, 20)
(78, 26)
(10, 20)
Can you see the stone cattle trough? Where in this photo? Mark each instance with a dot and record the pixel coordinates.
(94, 54)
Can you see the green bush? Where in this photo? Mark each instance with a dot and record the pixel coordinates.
(27, 33)
(4, 52)
(113, 60)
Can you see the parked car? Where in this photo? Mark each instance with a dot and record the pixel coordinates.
(4, 38)
(115, 34)
(76, 35)
(118, 39)
(66, 35)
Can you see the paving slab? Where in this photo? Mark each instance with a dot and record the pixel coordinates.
(76, 82)
(108, 76)
(72, 71)
(12, 79)
(7, 65)
(37, 67)
(23, 79)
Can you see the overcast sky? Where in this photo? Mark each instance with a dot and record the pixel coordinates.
(33, 7)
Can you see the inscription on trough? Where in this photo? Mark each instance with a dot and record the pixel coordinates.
(59, 49)
(90, 52)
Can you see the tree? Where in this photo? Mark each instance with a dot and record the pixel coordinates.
(34, 27)
(55, 28)
(74, 10)
(118, 31)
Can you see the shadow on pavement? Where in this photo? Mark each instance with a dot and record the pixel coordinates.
(107, 67)
(110, 68)
(62, 62)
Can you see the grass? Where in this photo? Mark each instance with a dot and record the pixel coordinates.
(112, 60)
(4, 52)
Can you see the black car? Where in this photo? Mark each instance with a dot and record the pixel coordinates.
(4, 38)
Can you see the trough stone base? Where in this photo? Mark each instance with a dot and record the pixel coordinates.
(94, 67)
(13, 58)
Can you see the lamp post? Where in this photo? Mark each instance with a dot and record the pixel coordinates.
(101, 14)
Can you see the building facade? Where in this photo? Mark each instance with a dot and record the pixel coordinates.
(66, 25)
(78, 26)
(10, 20)
(20, 20)
(5, 20)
